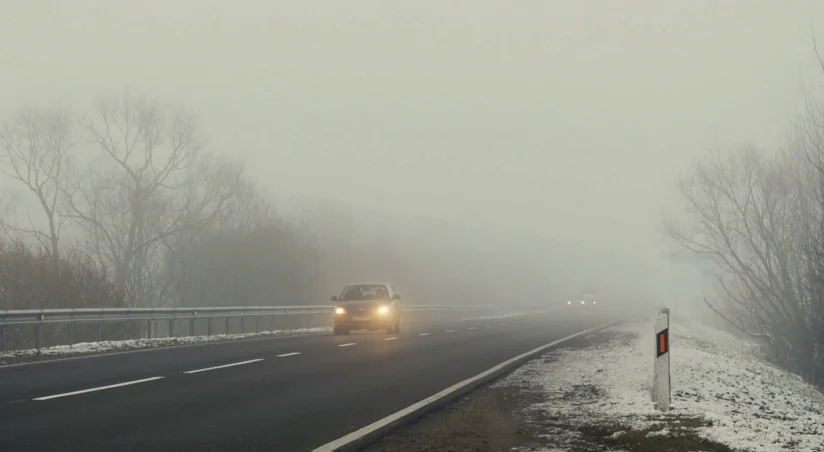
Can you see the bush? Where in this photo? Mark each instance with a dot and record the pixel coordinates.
(28, 279)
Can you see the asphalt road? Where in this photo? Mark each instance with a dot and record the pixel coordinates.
(284, 394)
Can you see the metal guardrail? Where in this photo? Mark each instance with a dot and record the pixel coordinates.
(41, 316)
(71, 317)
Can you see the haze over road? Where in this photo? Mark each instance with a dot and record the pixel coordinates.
(286, 394)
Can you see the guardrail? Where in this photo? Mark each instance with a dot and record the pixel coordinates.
(321, 315)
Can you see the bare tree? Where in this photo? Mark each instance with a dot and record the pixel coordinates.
(35, 146)
(744, 210)
(152, 181)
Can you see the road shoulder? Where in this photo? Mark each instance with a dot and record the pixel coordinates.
(594, 394)
(488, 419)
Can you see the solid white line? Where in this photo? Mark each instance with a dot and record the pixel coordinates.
(288, 354)
(344, 440)
(98, 388)
(450, 331)
(423, 334)
(471, 328)
(346, 345)
(390, 338)
(223, 366)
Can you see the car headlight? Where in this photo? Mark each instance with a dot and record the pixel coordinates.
(569, 302)
(340, 311)
(594, 302)
(383, 310)
(582, 302)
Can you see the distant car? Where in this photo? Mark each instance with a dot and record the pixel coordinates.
(367, 306)
(586, 297)
(582, 302)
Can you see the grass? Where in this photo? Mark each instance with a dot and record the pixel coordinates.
(668, 434)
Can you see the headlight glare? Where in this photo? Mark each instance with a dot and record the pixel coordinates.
(340, 311)
(383, 310)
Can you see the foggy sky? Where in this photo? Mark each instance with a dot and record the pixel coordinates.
(566, 119)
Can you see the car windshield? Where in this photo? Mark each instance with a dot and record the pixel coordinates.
(365, 292)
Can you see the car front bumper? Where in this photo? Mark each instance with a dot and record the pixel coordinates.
(365, 323)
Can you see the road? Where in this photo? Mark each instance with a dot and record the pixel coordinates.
(274, 394)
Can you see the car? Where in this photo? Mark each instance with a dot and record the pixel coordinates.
(587, 297)
(367, 306)
(582, 302)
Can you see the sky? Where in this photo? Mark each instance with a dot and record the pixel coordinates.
(564, 119)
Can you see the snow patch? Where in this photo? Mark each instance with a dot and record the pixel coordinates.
(722, 389)
(113, 346)
(493, 317)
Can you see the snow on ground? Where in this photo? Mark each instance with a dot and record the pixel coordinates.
(721, 392)
(500, 316)
(114, 346)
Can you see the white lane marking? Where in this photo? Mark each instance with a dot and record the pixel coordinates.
(471, 328)
(346, 345)
(98, 388)
(390, 338)
(487, 326)
(288, 354)
(450, 331)
(357, 434)
(223, 366)
(503, 324)
(423, 334)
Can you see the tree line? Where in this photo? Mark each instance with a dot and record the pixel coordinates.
(759, 215)
(125, 196)
(126, 206)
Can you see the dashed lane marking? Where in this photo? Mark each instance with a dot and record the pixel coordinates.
(223, 366)
(100, 388)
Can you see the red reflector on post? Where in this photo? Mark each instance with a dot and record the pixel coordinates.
(662, 342)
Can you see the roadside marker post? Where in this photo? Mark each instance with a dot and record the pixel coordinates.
(661, 391)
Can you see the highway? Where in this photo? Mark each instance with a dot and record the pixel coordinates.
(274, 394)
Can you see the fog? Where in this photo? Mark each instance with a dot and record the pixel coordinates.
(544, 135)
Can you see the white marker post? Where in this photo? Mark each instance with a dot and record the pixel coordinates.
(661, 369)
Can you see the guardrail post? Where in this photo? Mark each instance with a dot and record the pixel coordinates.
(257, 325)
(69, 335)
(148, 328)
(123, 330)
(209, 326)
(191, 327)
(1, 338)
(242, 325)
(226, 331)
(37, 337)
(661, 390)
(171, 327)
(99, 332)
